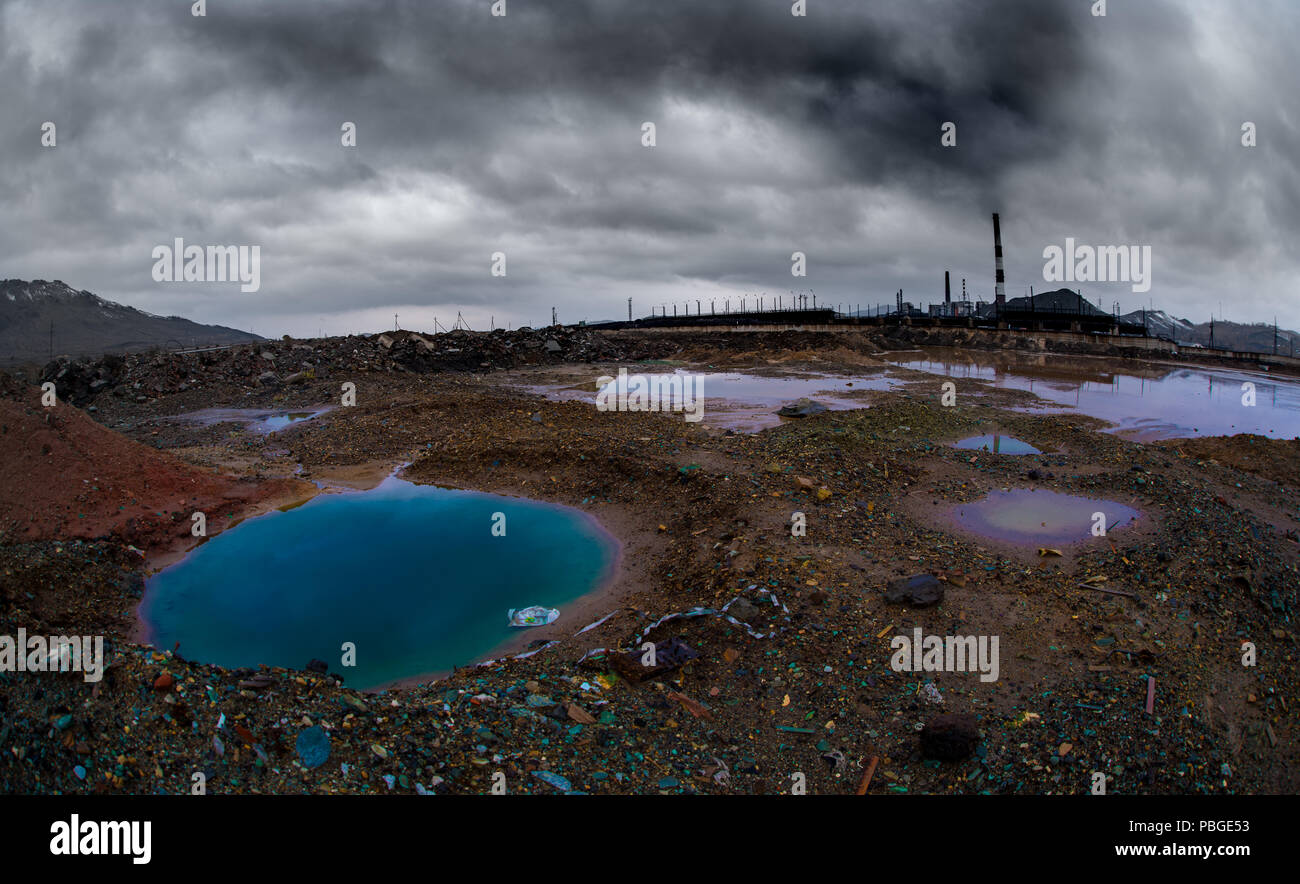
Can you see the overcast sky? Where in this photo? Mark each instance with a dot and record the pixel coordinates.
(523, 134)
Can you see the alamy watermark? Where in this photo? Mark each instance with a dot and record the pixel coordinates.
(951, 653)
(78, 837)
(55, 653)
(181, 263)
(1101, 264)
(652, 392)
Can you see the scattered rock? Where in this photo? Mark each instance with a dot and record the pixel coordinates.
(744, 610)
(801, 408)
(950, 737)
(919, 591)
(313, 747)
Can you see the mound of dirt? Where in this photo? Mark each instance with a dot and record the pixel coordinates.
(63, 475)
(1277, 460)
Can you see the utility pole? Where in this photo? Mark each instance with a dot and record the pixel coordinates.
(553, 319)
(629, 309)
(394, 322)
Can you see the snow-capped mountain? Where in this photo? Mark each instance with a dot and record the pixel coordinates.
(1161, 324)
(84, 324)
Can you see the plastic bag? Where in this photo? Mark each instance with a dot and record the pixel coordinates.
(535, 615)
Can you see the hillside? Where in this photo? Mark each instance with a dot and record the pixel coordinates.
(85, 324)
(62, 475)
(1252, 337)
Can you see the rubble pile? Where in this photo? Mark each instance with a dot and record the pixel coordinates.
(274, 365)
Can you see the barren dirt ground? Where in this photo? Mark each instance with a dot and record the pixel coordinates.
(93, 501)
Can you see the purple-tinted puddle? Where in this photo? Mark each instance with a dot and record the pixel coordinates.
(1036, 517)
(746, 403)
(1145, 402)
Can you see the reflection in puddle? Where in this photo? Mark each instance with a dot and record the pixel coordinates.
(280, 421)
(997, 445)
(1036, 517)
(746, 402)
(1145, 402)
(258, 420)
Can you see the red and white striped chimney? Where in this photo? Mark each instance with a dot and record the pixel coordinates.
(1000, 281)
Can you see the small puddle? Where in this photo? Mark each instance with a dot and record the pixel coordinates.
(997, 444)
(412, 575)
(280, 421)
(1037, 517)
(258, 420)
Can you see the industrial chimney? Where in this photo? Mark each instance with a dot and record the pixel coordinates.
(947, 288)
(1000, 281)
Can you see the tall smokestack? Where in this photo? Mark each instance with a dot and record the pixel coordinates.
(947, 288)
(1000, 287)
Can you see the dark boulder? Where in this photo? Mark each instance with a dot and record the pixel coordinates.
(919, 591)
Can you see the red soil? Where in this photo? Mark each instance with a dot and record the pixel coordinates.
(64, 476)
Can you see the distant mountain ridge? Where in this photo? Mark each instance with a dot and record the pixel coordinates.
(87, 325)
(1251, 337)
(1160, 323)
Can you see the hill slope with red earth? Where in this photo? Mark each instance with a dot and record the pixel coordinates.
(64, 476)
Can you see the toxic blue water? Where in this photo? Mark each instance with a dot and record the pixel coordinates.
(997, 445)
(410, 574)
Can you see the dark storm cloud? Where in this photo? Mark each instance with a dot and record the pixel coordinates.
(522, 134)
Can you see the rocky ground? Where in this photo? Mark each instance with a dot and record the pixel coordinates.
(793, 682)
